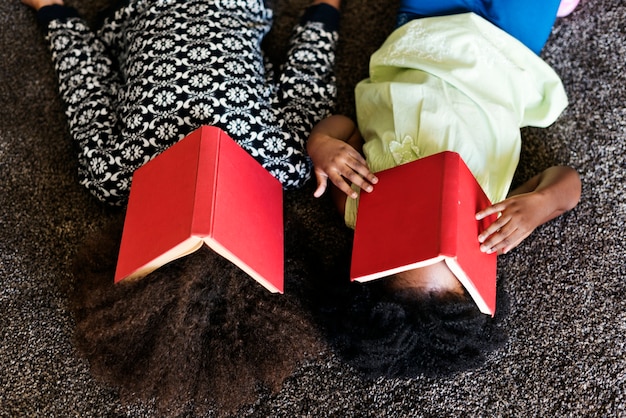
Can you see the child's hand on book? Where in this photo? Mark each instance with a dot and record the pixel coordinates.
(334, 147)
(542, 198)
(338, 161)
(519, 216)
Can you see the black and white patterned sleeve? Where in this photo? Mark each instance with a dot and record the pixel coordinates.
(88, 85)
(307, 88)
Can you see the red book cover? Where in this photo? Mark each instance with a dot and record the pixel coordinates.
(424, 212)
(205, 189)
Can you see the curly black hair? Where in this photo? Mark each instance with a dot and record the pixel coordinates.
(194, 335)
(199, 334)
(405, 333)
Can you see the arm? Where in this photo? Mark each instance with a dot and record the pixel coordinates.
(88, 83)
(542, 198)
(305, 91)
(334, 146)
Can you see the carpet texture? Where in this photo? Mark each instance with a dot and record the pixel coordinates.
(566, 285)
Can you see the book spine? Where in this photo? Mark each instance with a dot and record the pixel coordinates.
(206, 179)
(449, 221)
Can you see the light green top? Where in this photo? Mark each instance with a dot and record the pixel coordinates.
(454, 83)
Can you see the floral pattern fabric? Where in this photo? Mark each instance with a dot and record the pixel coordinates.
(157, 70)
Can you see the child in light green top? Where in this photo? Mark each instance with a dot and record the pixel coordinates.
(454, 83)
(451, 83)
(497, 85)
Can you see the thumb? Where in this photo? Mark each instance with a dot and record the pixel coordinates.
(322, 181)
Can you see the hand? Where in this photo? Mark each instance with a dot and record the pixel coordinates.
(338, 161)
(38, 4)
(519, 216)
(542, 198)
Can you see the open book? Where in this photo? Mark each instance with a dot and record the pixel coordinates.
(205, 189)
(421, 213)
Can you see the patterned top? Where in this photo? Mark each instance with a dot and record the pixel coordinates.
(454, 83)
(158, 69)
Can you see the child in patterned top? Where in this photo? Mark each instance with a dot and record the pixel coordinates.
(156, 70)
(195, 335)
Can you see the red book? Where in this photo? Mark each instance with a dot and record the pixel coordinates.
(205, 189)
(424, 212)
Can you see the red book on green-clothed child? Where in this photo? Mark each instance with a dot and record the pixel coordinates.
(424, 212)
(205, 189)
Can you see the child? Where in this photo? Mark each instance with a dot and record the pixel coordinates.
(451, 82)
(197, 333)
(155, 71)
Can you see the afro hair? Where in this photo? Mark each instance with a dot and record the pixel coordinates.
(194, 335)
(403, 334)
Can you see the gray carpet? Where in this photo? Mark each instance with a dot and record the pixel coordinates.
(566, 323)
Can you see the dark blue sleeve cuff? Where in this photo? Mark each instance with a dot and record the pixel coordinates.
(47, 14)
(323, 13)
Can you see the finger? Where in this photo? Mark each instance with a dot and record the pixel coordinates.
(364, 172)
(495, 243)
(514, 240)
(502, 241)
(491, 210)
(322, 182)
(505, 244)
(356, 170)
(339, 181)
(493, 228)
(356, 179)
